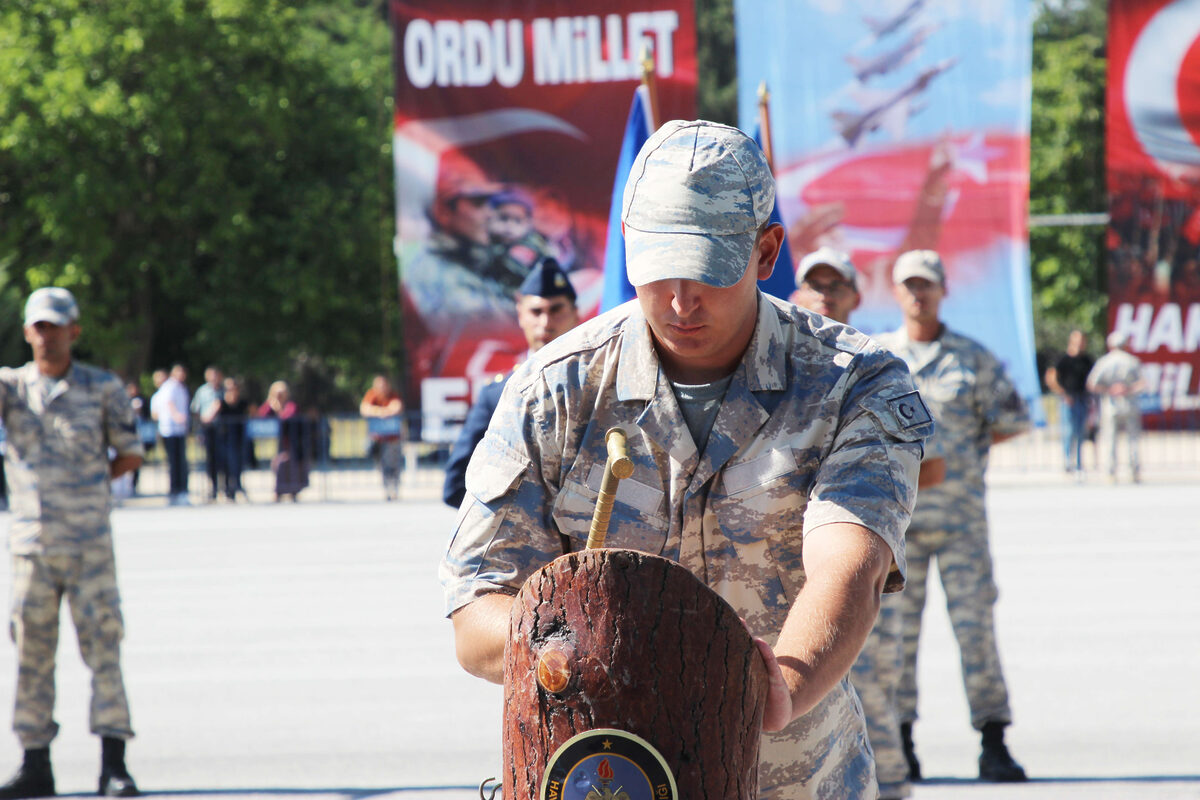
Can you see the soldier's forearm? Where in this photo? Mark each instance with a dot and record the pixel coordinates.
(480, 631)
(847, 566)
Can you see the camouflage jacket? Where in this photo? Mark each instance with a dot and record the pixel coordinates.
(972, 399)
(1117, 367)
(819, 425)
(57, 457)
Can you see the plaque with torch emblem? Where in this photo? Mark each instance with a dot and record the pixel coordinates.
(607, 764)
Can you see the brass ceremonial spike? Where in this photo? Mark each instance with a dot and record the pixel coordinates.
(616, 467)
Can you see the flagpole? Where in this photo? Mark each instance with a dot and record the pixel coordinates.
(650, 81)
(764, 124)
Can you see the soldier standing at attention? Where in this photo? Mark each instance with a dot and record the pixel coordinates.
(62, 418)
(775, 454)
(827, 284)
(974, 405)
(1117, 378)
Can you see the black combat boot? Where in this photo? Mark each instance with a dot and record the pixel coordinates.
(995, 762)
(33, 779)
(115, 780)
(910, 753)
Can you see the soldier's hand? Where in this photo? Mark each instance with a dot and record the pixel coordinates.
(778, 712)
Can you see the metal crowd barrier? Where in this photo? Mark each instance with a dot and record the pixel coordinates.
(341, 467)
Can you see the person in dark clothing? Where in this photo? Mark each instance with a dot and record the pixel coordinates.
(545, 310)
(226, 421)
(1068, 379)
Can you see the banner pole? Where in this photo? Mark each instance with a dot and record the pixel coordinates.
(764, 124)
(650, 81)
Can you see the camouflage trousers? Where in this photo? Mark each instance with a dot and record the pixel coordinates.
(89, 581)
(875, 676)
(1112, 425)
(964, 564)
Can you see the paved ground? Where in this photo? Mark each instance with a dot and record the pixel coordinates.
(299, 651)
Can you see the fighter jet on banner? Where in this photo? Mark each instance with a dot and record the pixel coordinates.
(884, 63)
(889, 109)
(882, 27)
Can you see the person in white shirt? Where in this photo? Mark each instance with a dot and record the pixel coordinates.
(169, 408)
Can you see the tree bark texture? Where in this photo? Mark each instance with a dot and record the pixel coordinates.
(612, 638)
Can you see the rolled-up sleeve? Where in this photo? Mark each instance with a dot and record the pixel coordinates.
(1003, 410)
(869, 477)
(503, 532)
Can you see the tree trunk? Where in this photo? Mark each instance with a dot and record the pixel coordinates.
(616, 650)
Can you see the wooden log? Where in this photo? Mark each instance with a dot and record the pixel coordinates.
(617, 658)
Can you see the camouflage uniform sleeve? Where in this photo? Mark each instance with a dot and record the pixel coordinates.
(1002, 409)
(120, 424)
(504, 531)
(869, 477)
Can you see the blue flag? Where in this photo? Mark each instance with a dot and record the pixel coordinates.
(783, 279)
(617, 288)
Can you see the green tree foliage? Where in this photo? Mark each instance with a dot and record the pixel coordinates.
(210, 177)
(1067, 168)
(716, 54)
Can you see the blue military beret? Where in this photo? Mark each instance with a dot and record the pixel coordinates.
(547, 279)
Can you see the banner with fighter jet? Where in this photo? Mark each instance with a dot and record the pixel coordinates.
(508, 128)
(900, 125)
(1153, 155)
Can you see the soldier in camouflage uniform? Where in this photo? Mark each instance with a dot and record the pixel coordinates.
(62, 419)
(827, 283)
(775, 454)
(975, 405)
(1117, 378)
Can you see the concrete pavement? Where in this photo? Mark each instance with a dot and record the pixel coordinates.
(300, 650)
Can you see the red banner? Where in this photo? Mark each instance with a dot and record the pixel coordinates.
(1153, 155)
(509, 118)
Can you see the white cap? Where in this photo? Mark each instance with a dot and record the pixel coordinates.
(827, 257)
(919, 264)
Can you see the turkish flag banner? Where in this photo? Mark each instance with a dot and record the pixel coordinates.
(1153, 156)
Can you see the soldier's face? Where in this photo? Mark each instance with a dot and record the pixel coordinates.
(469, 216)
(544, 319)
(826, 292)
(919, 299)
(701, 331)
(50, 341)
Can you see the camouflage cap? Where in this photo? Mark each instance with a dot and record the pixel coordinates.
(836, 260)
(696, 196)
(919, 264)
(51, 304)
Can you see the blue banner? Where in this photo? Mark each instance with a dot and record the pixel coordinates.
(901, 125)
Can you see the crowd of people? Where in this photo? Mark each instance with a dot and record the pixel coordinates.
(225, 425)
(223, 421)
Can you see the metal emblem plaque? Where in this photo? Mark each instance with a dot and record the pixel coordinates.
(607, 764)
